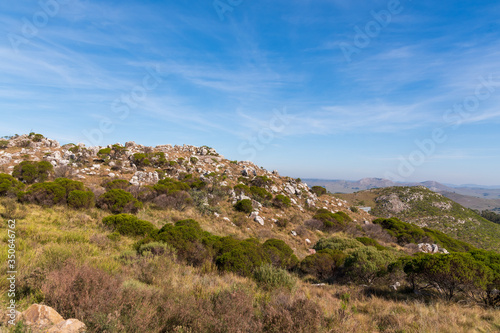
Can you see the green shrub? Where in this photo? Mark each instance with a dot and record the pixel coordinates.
(318, 190)
(370, 242)
(404, 232)
(116, 184)
(281, 201)
(271, 278)
(451, 273)
(261, 181)
(189, 240)
(30, 172)
(353, 209)
(36, 137)
(242, 189)
(9, 186)
(365, 264)
(280, 254)
(4, 144)
(169, 186)
(260, 194)
(323, 264)
(70, 185)
(81, 199)
(104, 152)
(45, 194)
(244, 205)
(243, 258)
(447, 242)
(119, 201)
(141, 160)
(129, 225)
(335, 243)
(332, 221)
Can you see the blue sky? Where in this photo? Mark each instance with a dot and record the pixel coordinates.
(407, 90)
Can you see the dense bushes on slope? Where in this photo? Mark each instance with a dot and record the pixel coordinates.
(406, 233)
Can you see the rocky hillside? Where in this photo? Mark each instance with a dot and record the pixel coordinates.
(425, 208)
(129, 238)
(144, 166)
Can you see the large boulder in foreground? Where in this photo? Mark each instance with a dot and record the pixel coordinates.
(42, 318)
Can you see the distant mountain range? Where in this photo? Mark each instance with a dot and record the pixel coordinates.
(469, 195)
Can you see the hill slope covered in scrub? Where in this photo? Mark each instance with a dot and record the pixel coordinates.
(128, 238)
(426, 208)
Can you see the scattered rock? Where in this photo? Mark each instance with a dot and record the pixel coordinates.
(68, 326)
(41, 317)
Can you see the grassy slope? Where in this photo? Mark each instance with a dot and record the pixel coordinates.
(46, 237)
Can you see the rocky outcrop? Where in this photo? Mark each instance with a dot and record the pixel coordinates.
(143, 178)
(431, 248)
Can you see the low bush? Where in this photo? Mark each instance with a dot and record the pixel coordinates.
(332, 221)
(45, 194)
(271, 278)
(370, 242)
(81, 199)
(261, 181)
(242, 189)
(179, 200)
(260, 194)
(244, 205)
(318, 190)
(404, 232)
(336, 243)
(129, 225)
(121, 184)
(366, 264)
(243, 258)
(280, 254)
(323, 264)
(30, 172)
(9, 186)
(189, 240)
(169, 186)
(70, 185)
(119, 201)
(281, 201)
(4, 144)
